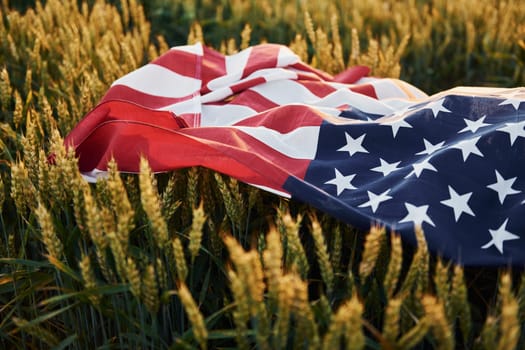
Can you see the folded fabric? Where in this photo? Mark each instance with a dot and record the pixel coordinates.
(365, 150)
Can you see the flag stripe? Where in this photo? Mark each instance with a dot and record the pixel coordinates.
(279, 119)
(126, 93)
(182, 60)
(213, 65)
(292, 144)
(156, 80)
(254, 100)
(365, 150)
(231, 151)
(261, 57)
(235, 65)
(223, 115)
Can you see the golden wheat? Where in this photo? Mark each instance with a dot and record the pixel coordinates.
(509, 323)
(323, 258)
(194, 315)
(296, 253)
(195, 234)
(373, 243)
(50, 238)
(272, 258)
(435, 309)
(151, 204)
(180, 260)
(150, 290)
(133, 278)
(394, 265)
(459, 303)
(58, 60)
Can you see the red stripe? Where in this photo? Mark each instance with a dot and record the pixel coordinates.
(261, 56)
(181, 62)
(121, 111)
(286, 118)
(304, 67)
(253, 100)
(213, 66)
(351, 75)
(236, 88)
(250, 151)
(226, 150)
(318, 88)
(190, 119)
(365, 89)
(307, 76)
(125, 93)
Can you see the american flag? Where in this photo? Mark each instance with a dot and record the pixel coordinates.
(365, 150)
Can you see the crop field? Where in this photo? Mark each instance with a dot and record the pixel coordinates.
(195, 259)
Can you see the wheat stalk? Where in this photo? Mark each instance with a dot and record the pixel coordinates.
(151, 204)
(194, 315)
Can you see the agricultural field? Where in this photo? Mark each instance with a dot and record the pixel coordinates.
(195, 259)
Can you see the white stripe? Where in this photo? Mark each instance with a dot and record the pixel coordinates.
(235, 65)
(301, 143)
(389, 88)
(271, 74)
(286, 57)
(399, 104)
(394, 88)
(309, 75)
(386, 88)
(159, 81)
(94, 175)
(184, 107)
(475, 90)
(367, 80)
(286, 92)
(272, 190)
(216, 95)
(414, 90)
(195, 49)
(224, 115)
(362, 102)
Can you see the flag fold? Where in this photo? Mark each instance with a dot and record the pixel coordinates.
(365, 150)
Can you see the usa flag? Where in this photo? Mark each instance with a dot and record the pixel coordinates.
(365, 150)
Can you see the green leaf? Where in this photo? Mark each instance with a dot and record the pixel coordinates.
(64, 268)
(48, 316)
(66, 342)
(227, 334)
(24, 262)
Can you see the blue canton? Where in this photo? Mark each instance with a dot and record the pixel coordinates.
(454, 165)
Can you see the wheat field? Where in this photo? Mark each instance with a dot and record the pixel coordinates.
(194, 259)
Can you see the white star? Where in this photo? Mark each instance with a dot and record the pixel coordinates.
(385, 167)
(512, 100)
(468, 147)
(420, 166)
(396, 125)
(436, 107)
(430, 148)
(417, 215)
(342, 182)
(514, 130)
(353, 145)
(473, 126)
(458, 203)
(375, 199)
(499, 236)
(503, 187)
